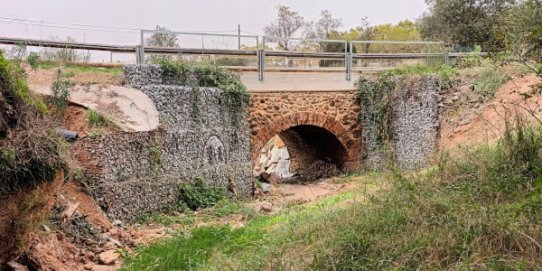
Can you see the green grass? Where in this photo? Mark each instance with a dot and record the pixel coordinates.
(76, 69)
(447, 74)
(97, 120)
(479, 210)
(13, 80)
(246, 248)
(488, 79)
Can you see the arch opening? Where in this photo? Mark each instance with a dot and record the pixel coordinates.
(310, 153)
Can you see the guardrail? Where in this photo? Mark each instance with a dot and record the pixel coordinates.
(260, 50)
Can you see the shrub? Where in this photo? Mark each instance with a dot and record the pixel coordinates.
(474, 59)
(488, 80)
(199, 195)
(61, 91)
(33, 60)
(64, 55)
(33, 150)
(13, 83)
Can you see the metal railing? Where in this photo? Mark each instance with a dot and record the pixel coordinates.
(261, 49)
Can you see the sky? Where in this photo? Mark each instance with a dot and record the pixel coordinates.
(218, 16)
(186, 15)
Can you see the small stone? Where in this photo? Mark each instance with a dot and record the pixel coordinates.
(271, 178)
(113, 232)
(60, 236)
(88, 266)
(266, 187)
(109, 246)
(17, 266)
(464, 122)
(89, 255)
(45, 228)
(267, 207)
(117, 223)
(108, 257)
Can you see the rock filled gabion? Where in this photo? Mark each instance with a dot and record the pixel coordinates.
(139, 173)
(415, 125)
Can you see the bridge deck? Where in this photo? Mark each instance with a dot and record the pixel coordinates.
(298, 81)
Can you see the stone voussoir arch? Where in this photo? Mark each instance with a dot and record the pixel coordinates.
(285, 122)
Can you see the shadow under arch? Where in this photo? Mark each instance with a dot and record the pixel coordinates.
(311, 137)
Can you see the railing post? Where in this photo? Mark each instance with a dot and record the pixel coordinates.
(446, 55)
(261, 63)
(261, 57)
(138, 54)
(142, 48)
(348, 59)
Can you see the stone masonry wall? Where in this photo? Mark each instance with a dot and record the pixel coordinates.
(335, 111)
(139, 173)
(415, 124)
(341, 105)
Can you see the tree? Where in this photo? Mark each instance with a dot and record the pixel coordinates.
(327, 24)
(402, 31)
(462, 22)
(286, 26)
(518, 35)
(163, 38)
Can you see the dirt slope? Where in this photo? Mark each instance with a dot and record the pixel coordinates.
(485, 124)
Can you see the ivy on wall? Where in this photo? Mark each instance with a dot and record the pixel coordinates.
(375, 97)
(234, 95)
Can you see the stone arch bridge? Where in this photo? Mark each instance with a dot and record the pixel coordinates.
(315, 126)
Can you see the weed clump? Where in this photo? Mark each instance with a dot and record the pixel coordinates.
(446, 73)
(33, 60)
(97, 120)
(61, 91)
(199, 195)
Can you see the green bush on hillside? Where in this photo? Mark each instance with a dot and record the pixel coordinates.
(30, 149)
(199, 195)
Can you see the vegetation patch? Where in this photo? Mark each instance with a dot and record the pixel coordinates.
(30, 149)
(446, 73)
(97, 120)
(61, 91)
(79, 68)
(277, 242)
(479, 209)
(234, 94)
(488, 80)
(199, 195)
